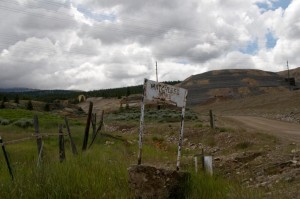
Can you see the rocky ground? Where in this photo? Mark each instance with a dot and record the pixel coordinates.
(257, 161)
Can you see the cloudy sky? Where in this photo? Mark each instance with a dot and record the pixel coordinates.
(94, 44)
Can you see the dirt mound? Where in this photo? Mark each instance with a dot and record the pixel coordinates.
(235, 83)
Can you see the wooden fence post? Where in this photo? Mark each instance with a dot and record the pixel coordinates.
(196, 163)
(212, 119)
(61, 142)
(87, 127)
(6, 159)
(98, 129)
(94, 123)
(73, 146)
(38, 138)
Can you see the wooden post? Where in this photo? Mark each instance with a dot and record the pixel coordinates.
(61, 143)
(98, 129)
(202, 160)
(6, 159)
(94, 123)
(38, 138)
(141, 125)
(87, 127)
(212, 119)
(73, 146)
(180, 137)
(196, 163)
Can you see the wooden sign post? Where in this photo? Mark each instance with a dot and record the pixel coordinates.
(159, 92)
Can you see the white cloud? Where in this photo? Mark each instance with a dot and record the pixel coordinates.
(99, 44)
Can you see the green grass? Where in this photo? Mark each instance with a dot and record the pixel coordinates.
(101, 171)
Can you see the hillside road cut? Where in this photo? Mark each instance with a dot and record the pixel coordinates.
(285, 130)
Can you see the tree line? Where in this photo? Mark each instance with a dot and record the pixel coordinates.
(49, 96)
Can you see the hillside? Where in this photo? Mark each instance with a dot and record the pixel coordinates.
(293, 73)
(227, 84)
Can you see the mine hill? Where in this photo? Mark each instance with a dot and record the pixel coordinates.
(235, 83)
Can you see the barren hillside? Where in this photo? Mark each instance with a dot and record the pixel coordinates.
(223, 84)
(293, 73)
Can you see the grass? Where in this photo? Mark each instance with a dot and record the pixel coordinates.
(100, 172)
(243, 145)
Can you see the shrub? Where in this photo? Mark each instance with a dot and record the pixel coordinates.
(4, 121)
(29, 105)
(243, 145)
(24, 123)
(47, 107)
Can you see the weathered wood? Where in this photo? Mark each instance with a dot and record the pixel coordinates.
(196, 163)
(94, 123)
(142, 125)
(212, 119)
(87, 127)
(6, 159)
(181, 136)
(38, 137)
(98, 129)
(61, 143)
(73, 146)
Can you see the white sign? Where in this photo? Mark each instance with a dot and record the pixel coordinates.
(156, 91)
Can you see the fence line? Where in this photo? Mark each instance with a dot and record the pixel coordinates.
(32, 137)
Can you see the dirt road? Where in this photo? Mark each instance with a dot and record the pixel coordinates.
(284, 130)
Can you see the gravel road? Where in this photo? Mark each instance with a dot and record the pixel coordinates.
(281, 129)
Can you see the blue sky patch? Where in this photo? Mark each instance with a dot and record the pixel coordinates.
(96, 16)
(251, 48)
(271, 40)
(275, 4)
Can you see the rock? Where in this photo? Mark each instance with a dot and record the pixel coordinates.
(217, 159)
(109, 143)
(151, 182)
(247, 157)
(289, 179)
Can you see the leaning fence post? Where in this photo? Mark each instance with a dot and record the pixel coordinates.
(61, 142)
(6, 159)
(87, 127)
(212, 119)
(38, 137)
(73, 146)
(98, 129)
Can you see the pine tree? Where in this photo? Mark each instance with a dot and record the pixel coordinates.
(29, 105)
(47, 107)
(17, 99)
(5, 99)
(128, 92)
(2, 105)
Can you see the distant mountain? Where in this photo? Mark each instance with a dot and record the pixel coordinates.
(236, 83)
(16, 90)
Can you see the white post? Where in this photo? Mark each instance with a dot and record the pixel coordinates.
(196, 163)
(208, 165)
(141, 125)
(181, 135)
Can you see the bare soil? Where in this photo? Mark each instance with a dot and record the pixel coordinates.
(280, 129)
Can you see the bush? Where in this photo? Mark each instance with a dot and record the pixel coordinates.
(4, 121)
(29, 105)
(47, 107)
(24, 123)
(243, 145)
